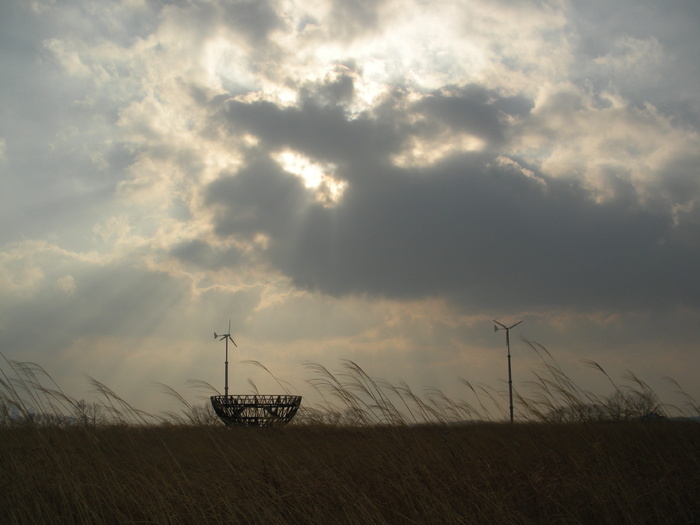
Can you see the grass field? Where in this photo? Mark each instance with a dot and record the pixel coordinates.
(622, 472)
(369, 452)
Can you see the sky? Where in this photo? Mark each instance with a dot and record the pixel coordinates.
(373, 180)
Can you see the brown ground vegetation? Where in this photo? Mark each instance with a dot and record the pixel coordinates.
(621, 472)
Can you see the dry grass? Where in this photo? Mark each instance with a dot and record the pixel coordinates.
(370, 452)
(486, 473)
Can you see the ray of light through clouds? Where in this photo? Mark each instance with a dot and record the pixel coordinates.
(371, 180)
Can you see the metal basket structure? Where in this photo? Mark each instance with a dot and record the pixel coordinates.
(256, 410)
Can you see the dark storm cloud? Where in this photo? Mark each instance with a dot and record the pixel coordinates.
(472, 109)
(679, 180)
(255, 20)
(202, 255)
(337, 92)
(486, 235)
(473, 227)
(321, 128)
(322, 132)
(259, 199)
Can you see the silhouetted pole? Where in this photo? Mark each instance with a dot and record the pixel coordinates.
(226, 371)
(226, 337)
(510, 375)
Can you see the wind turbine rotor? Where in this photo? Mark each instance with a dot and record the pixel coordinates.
(504, 327)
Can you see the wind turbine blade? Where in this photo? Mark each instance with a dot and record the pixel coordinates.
(513, 326)
(501, 325)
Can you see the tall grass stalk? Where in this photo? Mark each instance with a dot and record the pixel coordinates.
(368, 452)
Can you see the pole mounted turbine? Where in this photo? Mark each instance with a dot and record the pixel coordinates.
(500, 326)
(226, 337)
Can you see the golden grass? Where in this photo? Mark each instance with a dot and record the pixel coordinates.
(628, 472)
(369, 452)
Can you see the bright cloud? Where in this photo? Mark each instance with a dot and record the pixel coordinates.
(371, 180)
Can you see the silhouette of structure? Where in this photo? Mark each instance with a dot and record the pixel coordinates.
(256, 410)
(252, 410)
(226, 337)
(510, 376)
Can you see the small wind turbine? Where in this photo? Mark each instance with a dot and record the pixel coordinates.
(226, 337)
(510, 377)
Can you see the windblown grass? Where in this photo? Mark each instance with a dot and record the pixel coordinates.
(368, 452)
(351, 397)
(628, 472)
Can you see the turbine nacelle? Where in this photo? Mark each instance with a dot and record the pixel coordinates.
(223, 337)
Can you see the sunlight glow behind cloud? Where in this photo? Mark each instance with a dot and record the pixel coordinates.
(370, 180)
(315, 175)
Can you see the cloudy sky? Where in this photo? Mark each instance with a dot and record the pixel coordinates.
(349, 179)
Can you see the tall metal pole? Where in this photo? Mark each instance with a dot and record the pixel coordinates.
(226, 372)
(510, 375)
(226, 337)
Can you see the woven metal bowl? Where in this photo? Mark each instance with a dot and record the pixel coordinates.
(256, 410)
